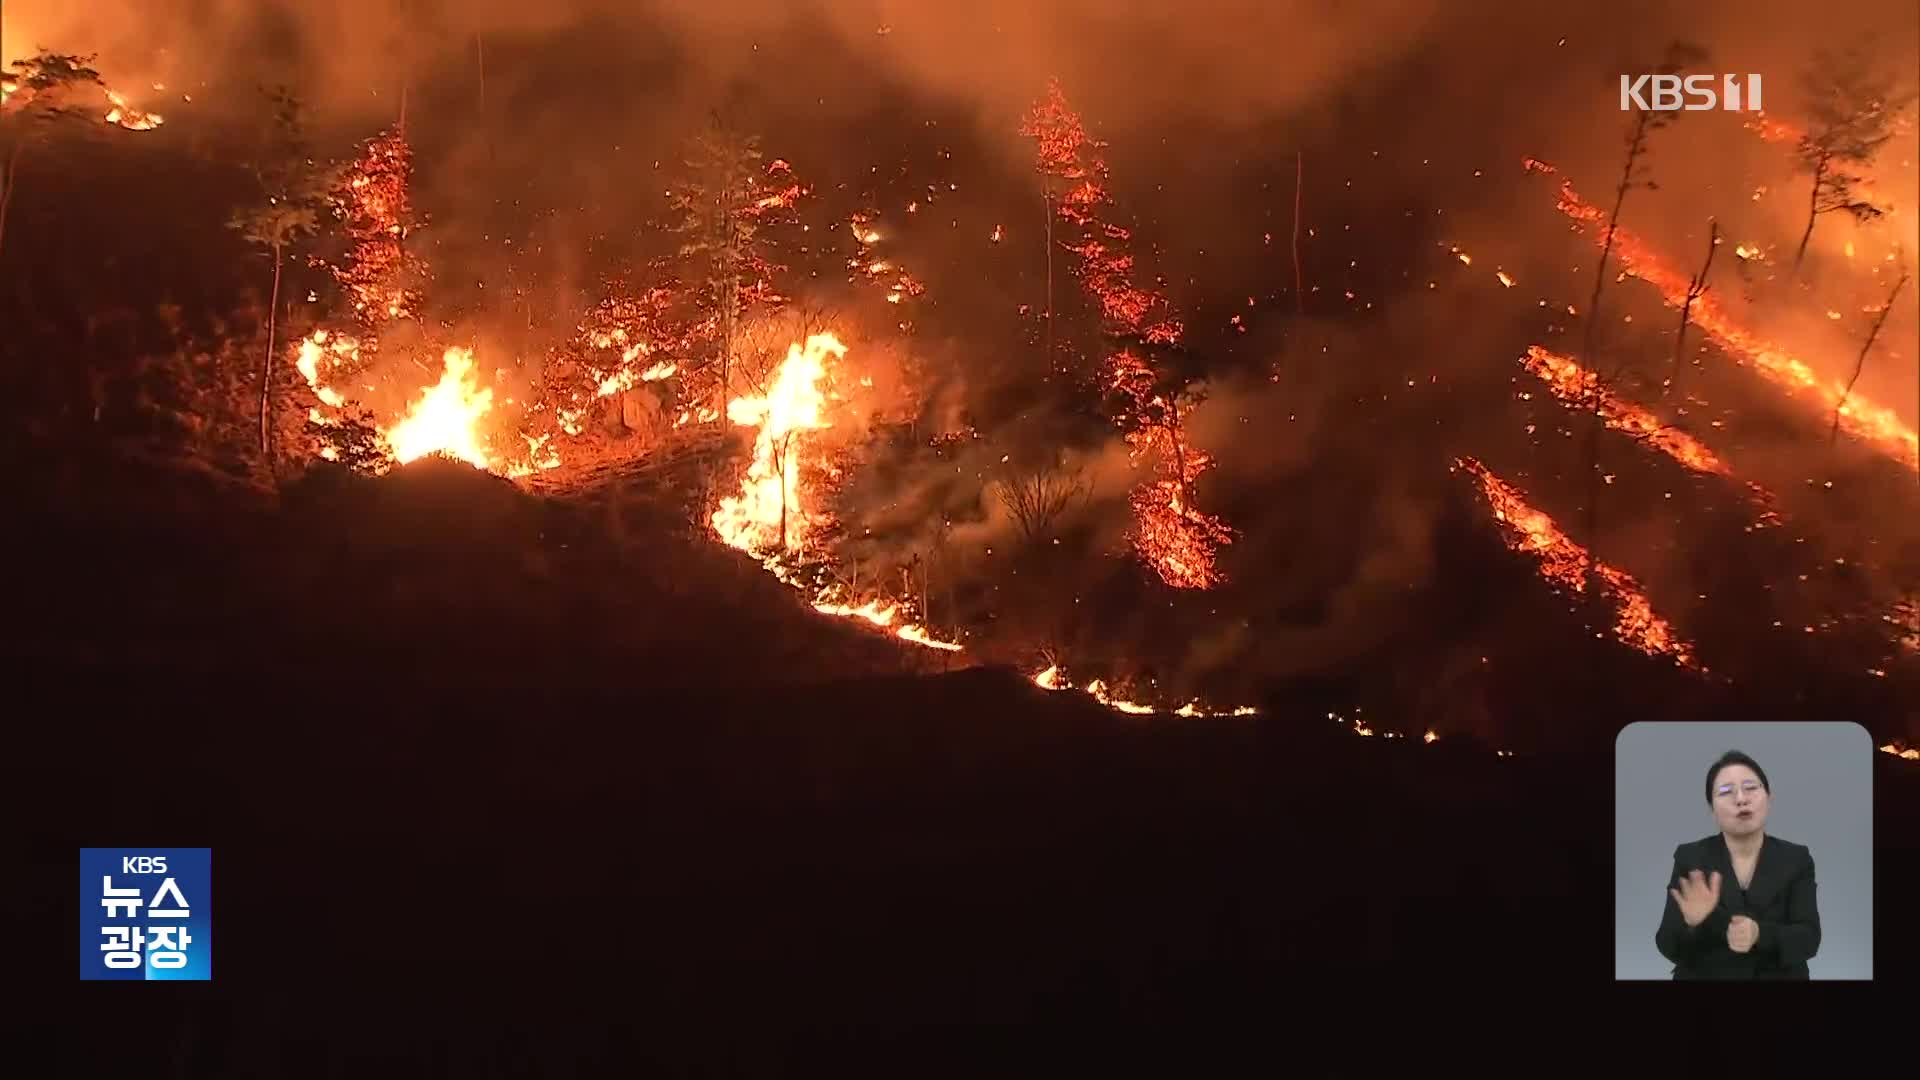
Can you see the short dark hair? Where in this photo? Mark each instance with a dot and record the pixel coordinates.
(1735, 757)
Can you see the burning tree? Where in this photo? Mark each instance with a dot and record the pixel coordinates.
(36, 94)
(382, 276)
(293, 192)
(724, 202)
(1069, 159)
(621, 360)
(1151, 394)
(1852, 111)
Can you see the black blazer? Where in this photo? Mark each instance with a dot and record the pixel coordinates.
(1781, 900)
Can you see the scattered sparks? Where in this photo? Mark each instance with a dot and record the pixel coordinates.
(1773, 130)
(1566, 564)
(381, 274)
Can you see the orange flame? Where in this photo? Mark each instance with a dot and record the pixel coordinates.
(771, 517)
(1566, 563)
(1773, 130)
(1580, 389)
(374, 202)
(128, 117)
(334, 351)
(1177, 540)
(1053, 679)
(1873, 424)
(769, 514)
(445, 418)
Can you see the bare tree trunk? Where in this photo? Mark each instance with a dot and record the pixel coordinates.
(266, 361)
(6, 188)
(480, 63)
(780, 459)
(1589, 339)
(1180, 460)
(1695, 289)
(1860, 363)
(1299, 295)
(1813, 211)
(1047, 188)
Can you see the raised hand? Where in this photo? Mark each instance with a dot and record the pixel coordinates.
(1697, 896)
(1742, 932)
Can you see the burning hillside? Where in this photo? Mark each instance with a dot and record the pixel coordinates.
(1044, 383)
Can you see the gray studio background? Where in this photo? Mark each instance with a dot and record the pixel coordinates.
(1821, 775)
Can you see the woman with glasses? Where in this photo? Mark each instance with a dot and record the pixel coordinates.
(1742, 904)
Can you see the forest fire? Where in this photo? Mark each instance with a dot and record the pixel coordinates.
(1567, 564)
(1052, 508)
(772, 518)
(1874, 424)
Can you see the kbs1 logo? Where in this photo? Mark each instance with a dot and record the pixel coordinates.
(1664, 93)
(146, 913)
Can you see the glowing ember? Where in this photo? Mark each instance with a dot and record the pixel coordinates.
(1907, 755)
(1773, 130)
(381, 274)
(897, 283)
(1566, 564)
(1860, 418)
(445, 418)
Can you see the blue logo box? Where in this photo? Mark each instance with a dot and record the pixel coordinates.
(146, 913)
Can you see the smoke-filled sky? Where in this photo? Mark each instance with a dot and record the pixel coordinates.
(1236, 61)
